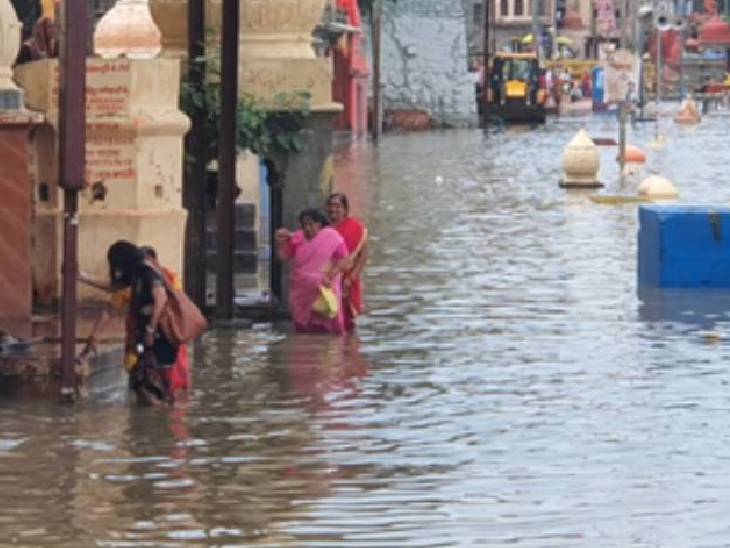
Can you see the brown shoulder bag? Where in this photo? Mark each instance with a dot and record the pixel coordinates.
(181, 321)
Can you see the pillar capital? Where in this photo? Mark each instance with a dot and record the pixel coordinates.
(276, 29)
(10, 29)
(127, 30)
(171, 17)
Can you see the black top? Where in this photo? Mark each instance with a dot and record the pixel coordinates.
(146, 279)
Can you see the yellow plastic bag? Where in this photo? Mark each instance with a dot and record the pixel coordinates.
(326, 304)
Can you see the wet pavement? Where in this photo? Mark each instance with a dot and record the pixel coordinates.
(508, 386)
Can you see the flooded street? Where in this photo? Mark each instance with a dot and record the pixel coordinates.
(508, 386)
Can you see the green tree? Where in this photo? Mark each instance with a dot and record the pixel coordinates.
(262, 127)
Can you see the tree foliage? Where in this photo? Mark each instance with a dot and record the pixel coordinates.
(262, 127)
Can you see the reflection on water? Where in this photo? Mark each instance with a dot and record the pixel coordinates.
(508, 386)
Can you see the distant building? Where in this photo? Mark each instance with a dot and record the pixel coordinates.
(425, 77)
(582, 24)
(511, 21)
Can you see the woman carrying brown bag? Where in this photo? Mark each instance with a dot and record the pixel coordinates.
(150, 379)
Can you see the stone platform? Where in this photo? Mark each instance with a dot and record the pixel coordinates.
(36, 369)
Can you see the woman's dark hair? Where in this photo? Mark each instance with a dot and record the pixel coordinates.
(124, 259)
(340, 197)
(314, 215)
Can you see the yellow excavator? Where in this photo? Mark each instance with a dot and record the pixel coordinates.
(514, 92)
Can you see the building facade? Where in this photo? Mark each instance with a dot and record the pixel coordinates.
(510, 20)
(425, 77)
(584, 24)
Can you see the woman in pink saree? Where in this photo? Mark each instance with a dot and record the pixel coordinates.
(319, 256)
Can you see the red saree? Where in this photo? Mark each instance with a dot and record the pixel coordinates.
(355, 235)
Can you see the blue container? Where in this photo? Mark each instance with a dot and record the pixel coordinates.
(684, 246)
(599, 86)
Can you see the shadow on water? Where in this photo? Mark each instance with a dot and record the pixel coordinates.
(319, 369)
(700, 308)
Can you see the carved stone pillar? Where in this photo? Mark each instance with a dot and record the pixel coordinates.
(171, 17)
(274, 29)
(134, 166)
(15, 187)
(276, 51)
(277, 57)
(10, 29)
(127, 30)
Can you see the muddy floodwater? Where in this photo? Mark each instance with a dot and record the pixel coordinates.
(508, 387)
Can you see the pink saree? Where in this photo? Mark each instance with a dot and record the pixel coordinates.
(311, 258)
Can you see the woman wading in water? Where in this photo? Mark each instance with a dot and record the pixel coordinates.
(355, 234)
(137, 281)
(319, 256)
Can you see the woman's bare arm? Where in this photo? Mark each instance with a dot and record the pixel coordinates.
(95, 283)
(282, 237)
(159, 293)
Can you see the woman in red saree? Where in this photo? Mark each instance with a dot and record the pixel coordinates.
(319, 256)
(355, 234)
(179, 375)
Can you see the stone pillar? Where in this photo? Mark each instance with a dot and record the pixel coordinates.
(134, 156)
(16, 298)
(11, 97)
(127, 29)
(171, 17)
(277, 57)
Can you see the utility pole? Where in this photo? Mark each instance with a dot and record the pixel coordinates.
(377, 18)
(72, 151)
(485, 63)
(227, 160)
(194, 191)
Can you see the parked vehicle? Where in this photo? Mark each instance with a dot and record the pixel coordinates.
(515, 93)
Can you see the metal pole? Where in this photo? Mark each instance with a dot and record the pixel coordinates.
(72, 152)
(194, 185)
(640, 51)
(536, 28)
(227, 160)
(492, 20)
(377, 17)
(593, 47)
(622, 141)
(658, 79)
(485, 63)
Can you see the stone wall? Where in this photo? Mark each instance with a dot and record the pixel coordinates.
(424, 61)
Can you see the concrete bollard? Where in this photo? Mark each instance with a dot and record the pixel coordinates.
(634, 155)
(688, 113)
(581, 163)
(655, 187)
